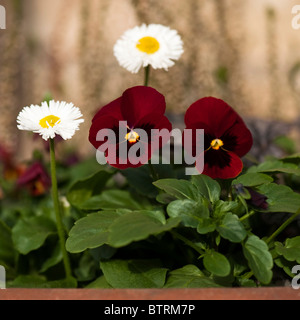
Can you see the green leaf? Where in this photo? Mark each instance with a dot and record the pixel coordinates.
(252, 179)
(206, 226)
(286, 265)
(222, 207)
(216, 263)
(99, 283)
(189, 211)
(164, 198)
(36, 281)
(137, 225)
(280, 198)
(87, 267)
(30, 233)
(275, 166)
(287, 144)
(84, 189)
(141, 181)
(90, 231)
(290, 250)
(116, 229)
(27, 281)
(207, 187)
(180, 189)
(134, 273)
(259, 258)
(54, 259)
(189, 276)
(294, 158)
(82, 169)
(112, 199)
(7, 250)
(231, 228)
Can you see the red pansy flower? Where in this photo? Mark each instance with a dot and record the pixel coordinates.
(226, 137)
(140, 110)
(36, 179)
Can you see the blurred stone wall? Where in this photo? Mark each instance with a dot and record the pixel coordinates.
(243, 51)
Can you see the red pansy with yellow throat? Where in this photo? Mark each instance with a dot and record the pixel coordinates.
(226, 137)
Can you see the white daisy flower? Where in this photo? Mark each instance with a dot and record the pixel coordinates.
(49, 120)
(154, 45)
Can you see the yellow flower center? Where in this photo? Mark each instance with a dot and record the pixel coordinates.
(216, 144)
(132, 136)
(49, 121)
(148, 44)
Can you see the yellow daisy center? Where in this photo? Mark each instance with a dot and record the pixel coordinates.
(148, 44)
(132, 136)
(49, 121)
(216, 144)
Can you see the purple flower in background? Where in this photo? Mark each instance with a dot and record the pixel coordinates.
(36, 179)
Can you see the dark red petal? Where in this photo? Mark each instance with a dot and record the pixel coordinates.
(211, 113)
(233, 167)
(35, 171)
(125, 166)
(148, 142)
(156, 125)
(155, 121)
(138, 102)
(242, 139)
(191, 139)
(103, 123)
(112, 109)
(131, 159)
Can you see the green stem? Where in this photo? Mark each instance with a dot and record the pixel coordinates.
(153, 172)
(248, 275)
(282, 227)
(247, 215)
(187, 242)
(147, 73)
(230, 194)
(59, 224)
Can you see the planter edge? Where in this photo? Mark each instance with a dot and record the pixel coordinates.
(264, 293)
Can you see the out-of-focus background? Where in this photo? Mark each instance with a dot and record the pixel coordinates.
(243, 51)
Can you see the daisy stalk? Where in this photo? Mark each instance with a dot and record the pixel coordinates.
(57, 209)
(147, 74)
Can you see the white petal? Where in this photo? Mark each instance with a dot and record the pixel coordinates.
(132, 59)
(29, 119)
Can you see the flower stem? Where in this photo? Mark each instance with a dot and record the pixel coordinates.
(59, 223)
(247, 215)
(187, 242)
(282, 227)
(147, 73)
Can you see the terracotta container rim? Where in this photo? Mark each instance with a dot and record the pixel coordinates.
(263, 293)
